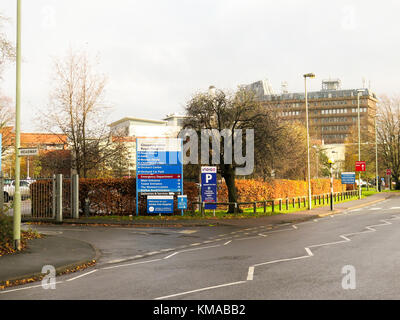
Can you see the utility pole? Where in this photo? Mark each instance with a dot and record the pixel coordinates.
(359, 142)
(308, 75)
(376, 157)
(331, 171)
(17, 194)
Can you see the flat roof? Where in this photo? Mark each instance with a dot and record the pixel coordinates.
(137, 119)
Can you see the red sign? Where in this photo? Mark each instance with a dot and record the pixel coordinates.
(360, 166)
(388, 172)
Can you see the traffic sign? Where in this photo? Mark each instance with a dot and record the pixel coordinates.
(160, 204)
(348, 177)
(209, 187)
(182, 202)
(360, 165)
(26, 152)
(159, 170)
(388, 172)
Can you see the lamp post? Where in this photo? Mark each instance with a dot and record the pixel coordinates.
(376, 157)
(359, 140)
(330, 161)
(17, 193)
(308, 75)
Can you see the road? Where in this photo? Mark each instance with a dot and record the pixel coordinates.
(308, 260)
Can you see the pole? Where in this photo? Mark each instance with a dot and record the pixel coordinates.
(376, 158)
(359, 145)
(17, 194)
(331, 186)
(308, 147)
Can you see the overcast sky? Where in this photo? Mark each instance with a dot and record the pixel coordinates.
(156, 54)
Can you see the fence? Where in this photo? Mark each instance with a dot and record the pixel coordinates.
(286, 203)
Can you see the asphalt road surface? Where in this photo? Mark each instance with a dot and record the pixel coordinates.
(352, 255)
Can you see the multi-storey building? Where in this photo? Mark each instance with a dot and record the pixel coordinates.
(332, 111)
(127, 129)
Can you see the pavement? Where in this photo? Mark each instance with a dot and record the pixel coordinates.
(66, 246)
(60, 252)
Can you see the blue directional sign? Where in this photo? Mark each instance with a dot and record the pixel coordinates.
(348, 177)
(209, 187)
(159, 166)
(160, 204)
(182, 202)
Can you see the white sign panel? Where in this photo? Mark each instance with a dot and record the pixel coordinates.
(25, 152)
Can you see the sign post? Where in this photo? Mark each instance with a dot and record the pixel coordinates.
(159, 173)
(209, 187)
(360, 166)
(348, 177)
(389, 175)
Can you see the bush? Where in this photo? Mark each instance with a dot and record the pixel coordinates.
(117, 196)
(6, 229)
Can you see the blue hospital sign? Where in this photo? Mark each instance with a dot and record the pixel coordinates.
(348, 177)
(182, 202)
(209, 187)
(159, 171)
(160, 204)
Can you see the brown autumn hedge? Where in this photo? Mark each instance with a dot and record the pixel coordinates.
(117, 196)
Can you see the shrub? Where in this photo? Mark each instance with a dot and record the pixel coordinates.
(6, 229)
(117, 196)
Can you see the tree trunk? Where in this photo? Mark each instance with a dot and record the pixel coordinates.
(228, 173)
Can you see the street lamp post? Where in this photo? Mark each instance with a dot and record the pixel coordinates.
(359, 141)
(376, 157)
(17, 193)
(330, 161)
(308, 75)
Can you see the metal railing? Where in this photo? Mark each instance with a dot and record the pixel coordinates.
(281, 203)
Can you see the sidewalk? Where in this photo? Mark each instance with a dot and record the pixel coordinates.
(273, 220)
(62, 253)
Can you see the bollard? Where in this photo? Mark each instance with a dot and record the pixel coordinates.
(265, 206)
(280, 204)
(255, 207)
(236, 207)
(287, 204)
(75, 196)
(86, 207)
(59, 179)
(273, 206)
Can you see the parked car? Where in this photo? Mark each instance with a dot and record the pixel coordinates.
(9, 190)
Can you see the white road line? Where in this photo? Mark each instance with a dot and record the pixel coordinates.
(248, 238)
(26, 288)
(199, 290)
(82, 275)
(227, 242)
(130, 264)
(250, 274)
(393, 208)
(294, 227)
(262, 235)
(375, 209)
(171, 255)
(195, 249)
(309, 252)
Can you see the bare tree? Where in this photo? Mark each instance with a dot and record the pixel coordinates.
(235, 111)
(7, 49)
(7, 54)
(388, 131)
(78, 110)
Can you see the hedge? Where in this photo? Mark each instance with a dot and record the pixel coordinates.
(117, 196)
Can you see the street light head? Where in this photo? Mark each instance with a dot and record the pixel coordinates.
(212, 91)
(309, 75)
